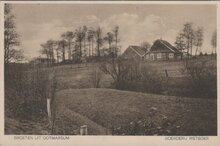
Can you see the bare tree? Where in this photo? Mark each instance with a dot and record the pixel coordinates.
(69, 37)
(117, 69)
(99, 40)
(116, 33)
(84, 39)
(90, 38)
(79, 37)
(10, 35)
(188, 33)
(57, 50)
(214, 40)
(109, 38)
(95, 77)
(51, 44)
(198, 39)
(45, 51)
(180, 42)
(62, 44)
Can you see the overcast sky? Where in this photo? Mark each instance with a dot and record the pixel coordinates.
(36, 23)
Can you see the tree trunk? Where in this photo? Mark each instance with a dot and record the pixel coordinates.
(116, 45)
(80, 49)
(57, 57)
(69, 55)
(48, 60)
(84, 47)
(92, 48)
(98, 50)
(63, 54)
(89, 47)
(196, 50)
(52, 56)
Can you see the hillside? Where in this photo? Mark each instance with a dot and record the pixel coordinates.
(100, 108)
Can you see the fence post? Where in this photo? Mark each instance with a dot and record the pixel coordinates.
(166, 73)
(83, 130)
(48, 108)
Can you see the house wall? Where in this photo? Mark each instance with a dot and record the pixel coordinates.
(159, 56)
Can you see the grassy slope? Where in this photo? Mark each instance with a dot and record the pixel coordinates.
(100, 109)
(108, 107)
(74, 77)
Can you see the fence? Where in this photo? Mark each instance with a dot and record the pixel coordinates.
(172, 73)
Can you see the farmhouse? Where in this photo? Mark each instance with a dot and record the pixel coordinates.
(134, 52)
(162, 50)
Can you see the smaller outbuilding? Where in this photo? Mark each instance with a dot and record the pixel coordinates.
(135, 52)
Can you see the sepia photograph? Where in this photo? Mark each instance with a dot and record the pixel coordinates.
(110, 69)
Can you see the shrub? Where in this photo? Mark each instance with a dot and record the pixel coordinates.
(202, 75)
(152, 81)
(25, 92)
(130, 75)
(118, 69)
(95, 78)
(149, 126)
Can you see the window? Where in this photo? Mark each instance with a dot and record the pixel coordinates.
(152, 56)
(171, 55)
(159, 55)
(147, 56)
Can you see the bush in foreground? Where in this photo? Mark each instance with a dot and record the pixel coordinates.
(25, 92)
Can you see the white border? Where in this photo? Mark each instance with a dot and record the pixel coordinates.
(113, 2)
(103, 140)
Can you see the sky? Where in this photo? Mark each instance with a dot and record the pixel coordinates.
(37, 23)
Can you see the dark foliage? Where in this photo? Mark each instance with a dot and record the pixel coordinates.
(130, 75)
(148, 126)
(25, 92)
(95, 78)
(203, 78)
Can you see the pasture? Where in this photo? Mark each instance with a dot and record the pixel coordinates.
(102, 109)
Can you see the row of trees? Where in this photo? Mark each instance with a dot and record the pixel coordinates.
(190, 39)
(11, 37)
(82, 42)
(214, 40)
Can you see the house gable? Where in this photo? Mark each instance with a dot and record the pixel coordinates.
(134, 52)
(163, 46)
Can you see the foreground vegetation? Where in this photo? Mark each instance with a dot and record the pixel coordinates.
(26, 91)
(115, 110)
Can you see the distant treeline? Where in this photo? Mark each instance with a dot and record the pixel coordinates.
(83, 42)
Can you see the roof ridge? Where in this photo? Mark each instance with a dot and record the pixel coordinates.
(136, 51)
(166, 45)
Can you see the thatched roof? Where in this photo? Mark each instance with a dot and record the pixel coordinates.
(163, 46)
(139, 50)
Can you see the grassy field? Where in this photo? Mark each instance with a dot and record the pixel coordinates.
(101, 109)
(78, 76)
(78, 103)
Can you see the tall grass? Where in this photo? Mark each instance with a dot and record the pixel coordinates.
(199, 80)
(202, 75)
(25, 92)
